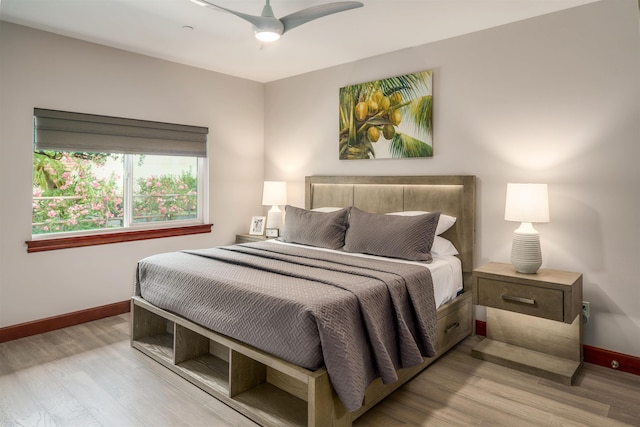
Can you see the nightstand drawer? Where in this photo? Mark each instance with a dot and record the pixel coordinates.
(531, 300)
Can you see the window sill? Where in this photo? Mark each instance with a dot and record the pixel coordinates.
(118, 237)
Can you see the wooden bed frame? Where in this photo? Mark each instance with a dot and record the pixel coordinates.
(272, 391)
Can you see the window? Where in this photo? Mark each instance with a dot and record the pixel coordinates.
(96, 175)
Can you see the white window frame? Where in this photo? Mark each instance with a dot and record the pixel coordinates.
(202, 215)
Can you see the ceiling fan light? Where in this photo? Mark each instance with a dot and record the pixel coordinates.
(267, 36)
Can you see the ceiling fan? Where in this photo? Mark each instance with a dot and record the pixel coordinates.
(269, 28)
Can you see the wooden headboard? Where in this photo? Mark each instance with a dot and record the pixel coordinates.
(451, 195)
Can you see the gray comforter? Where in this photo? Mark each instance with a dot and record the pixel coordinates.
(359, 317)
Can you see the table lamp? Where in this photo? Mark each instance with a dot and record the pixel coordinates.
(526, 203)
(274, 193)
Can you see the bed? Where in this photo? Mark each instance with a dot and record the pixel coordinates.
(280, 371)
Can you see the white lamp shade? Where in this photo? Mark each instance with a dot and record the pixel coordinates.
(274, 193)
(527, 203)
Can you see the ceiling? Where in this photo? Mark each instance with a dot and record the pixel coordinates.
(204, 37)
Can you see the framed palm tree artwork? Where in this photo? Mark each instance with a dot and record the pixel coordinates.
(389, 118)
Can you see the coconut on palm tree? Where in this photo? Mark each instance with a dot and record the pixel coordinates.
(371, 109)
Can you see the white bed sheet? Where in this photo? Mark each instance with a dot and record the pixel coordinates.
(446, 271)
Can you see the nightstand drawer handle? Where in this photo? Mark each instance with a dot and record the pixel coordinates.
(518, 299)
(452, 327)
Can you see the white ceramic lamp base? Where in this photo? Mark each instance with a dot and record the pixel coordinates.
(274, 218)
(526, 256)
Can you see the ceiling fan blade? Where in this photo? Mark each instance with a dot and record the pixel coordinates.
(309, 14)
(260, 22)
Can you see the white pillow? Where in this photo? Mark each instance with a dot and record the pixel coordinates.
(444, 223)
(327, 209)
(442, 247)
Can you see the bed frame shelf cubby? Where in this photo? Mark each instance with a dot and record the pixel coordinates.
(268, 390)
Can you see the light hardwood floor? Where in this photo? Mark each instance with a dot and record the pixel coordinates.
(88, 375)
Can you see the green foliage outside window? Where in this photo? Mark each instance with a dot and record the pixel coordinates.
(165, 198)
(69, 194)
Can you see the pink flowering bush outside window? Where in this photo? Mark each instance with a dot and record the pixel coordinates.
(85, 191)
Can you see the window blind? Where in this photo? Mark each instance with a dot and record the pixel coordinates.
(78, 132)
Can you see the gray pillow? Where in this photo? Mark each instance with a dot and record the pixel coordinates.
(321, 229)
(405, 237)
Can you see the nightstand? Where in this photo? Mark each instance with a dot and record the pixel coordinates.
(249, 238)
(533, 320)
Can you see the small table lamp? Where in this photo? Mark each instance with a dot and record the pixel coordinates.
(526, 203)
(274, 193)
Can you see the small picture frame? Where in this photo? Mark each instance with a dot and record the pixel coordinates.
(272, 232)
(257, 225)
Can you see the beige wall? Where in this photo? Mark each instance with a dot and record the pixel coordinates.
(553, 99)
(39, 69)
